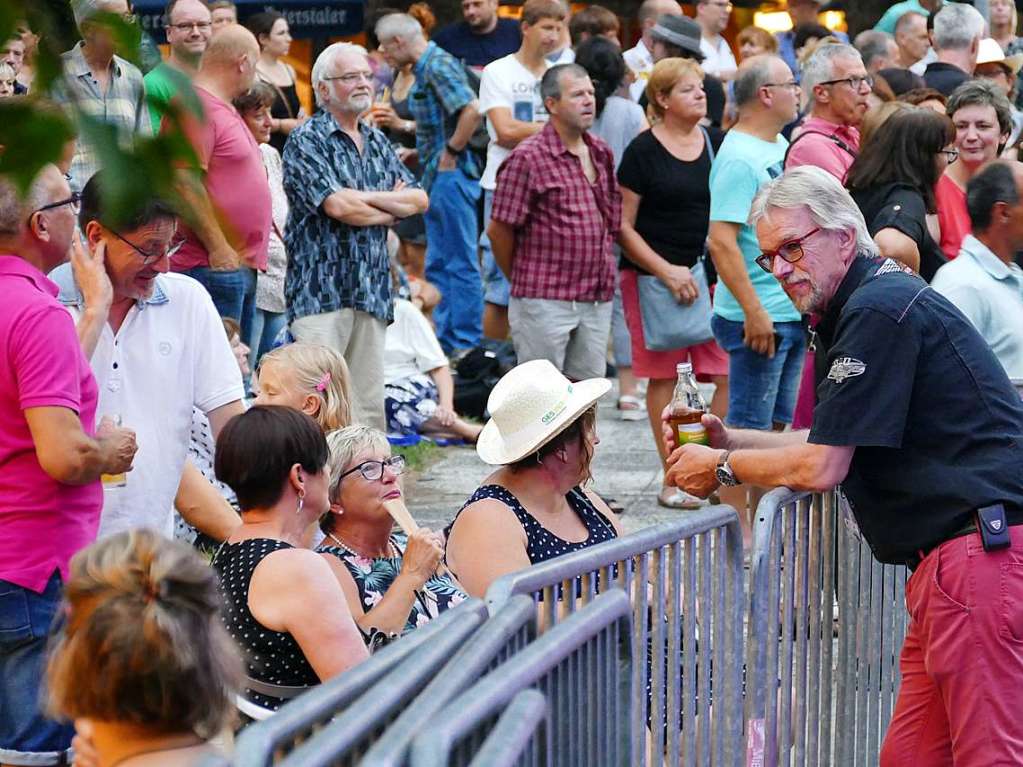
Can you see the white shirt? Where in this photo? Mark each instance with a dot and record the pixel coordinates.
(921, 65)
(171, 353)
(990, 293)
(507, 83)
(641, 62)
(718, 59)
(410, 345)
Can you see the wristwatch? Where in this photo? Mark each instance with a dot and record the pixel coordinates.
(724, 473)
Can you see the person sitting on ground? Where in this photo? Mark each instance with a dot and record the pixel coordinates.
(307, 377)
(418, 388)
(275, 460)
(542, 434)
(143, 664)
(390, 579)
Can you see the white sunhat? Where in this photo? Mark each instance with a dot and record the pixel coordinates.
(531, 405)
(990, 52)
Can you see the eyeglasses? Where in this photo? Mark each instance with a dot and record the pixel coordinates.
(373, 470)
(951, 155)
(188, 26)
(75, 201)
(352, 77)
(790, 251)
(853, 82)
(147, 257)
(791, 85)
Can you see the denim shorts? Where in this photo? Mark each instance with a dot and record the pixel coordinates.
(761, 390)
(27, 737)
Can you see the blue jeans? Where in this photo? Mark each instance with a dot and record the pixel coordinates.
(27, 737)
(233, 292)
(266, 326)
(761, 390)
(496, 288)
(452, 261)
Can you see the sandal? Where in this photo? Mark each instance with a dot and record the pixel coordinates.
(631, 408)
(673, 498)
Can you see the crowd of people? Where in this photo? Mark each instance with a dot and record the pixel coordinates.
(230, 367)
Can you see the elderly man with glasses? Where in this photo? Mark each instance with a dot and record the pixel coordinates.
(920, 424)
(157, 351)
(345, 187)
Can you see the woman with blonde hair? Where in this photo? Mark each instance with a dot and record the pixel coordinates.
(664, 177)
(308, 377)
(143, 664)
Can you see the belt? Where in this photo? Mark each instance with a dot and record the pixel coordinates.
(1013, 515)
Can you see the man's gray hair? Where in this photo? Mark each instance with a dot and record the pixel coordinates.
(828, 202)
(15, 208)
(754, 73)
(84, 10)
(956, 26)
(399, 25)
(326, 60)
(550, 85)
(872, 44)
(820, 67)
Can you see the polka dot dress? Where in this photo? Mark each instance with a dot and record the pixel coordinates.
(542, 544)
(273, 657)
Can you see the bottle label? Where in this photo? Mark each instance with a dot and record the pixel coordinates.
(691, 432)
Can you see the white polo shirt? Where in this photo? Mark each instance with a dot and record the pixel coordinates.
(170, 354)
(641, 62)
(990, 293)
(718, 59)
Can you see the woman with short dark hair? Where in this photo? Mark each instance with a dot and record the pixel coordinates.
(275, 460)
(892, 181)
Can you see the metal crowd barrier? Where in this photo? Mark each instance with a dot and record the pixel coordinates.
(685, 581)
(583, 667)
(815, 589)
(522, 726)
(270, 741)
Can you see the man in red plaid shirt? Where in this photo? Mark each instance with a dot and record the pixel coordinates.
(557, 211)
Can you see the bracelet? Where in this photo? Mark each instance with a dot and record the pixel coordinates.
(452, 151)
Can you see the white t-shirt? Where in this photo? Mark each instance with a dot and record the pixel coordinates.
(718, 59)
(507, 83)
(641, 62)
(171, 354)
(410, 345)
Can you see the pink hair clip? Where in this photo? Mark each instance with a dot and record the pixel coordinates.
(324, 382)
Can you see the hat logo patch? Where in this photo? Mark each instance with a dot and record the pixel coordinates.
(846, 367)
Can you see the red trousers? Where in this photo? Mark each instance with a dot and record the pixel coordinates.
(961, 699)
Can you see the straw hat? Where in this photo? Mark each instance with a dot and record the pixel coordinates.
(990, 52)
(531, 405)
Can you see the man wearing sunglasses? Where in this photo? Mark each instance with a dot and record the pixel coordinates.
(51, 457)
(157, 352)
(921, 425)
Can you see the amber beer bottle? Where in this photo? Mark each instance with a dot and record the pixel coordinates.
(687, 408)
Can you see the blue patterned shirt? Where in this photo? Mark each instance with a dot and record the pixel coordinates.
(436, 100)
(333, 265)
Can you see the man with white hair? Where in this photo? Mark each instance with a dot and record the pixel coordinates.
(189, 25)
(346, 186)
(958, 29)
(878, 50)
(920, 424)
(446, 112)
(640, 59)
(838, 86)
(100, 83)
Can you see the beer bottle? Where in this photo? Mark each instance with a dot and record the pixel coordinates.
(687, 408)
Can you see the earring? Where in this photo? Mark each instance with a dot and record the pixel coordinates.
(301, 503)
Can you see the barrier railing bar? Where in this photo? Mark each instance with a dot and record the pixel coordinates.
(829, 543)
(803, 587)
(515, 732)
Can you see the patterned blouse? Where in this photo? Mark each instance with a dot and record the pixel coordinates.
(374, 576)
(270, 284)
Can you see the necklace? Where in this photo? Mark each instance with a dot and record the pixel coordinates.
(392, 550)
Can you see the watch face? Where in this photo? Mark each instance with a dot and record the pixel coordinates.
(725, 476)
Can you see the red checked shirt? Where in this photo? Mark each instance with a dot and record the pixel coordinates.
(565, 226)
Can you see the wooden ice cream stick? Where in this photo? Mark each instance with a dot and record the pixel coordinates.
(399, 513)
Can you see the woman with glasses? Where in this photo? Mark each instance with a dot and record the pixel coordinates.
(283, 605)
(390, 580)
(892, 182)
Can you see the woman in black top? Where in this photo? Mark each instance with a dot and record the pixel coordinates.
(272, 33)
(664, 177)
(892, 182)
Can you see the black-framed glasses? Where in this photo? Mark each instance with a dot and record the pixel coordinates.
(75, 201)
(951, 155)
(188, 26)
(147, 257)
(373, 470)
(792, 85)
(790, 251)
(853, 82)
